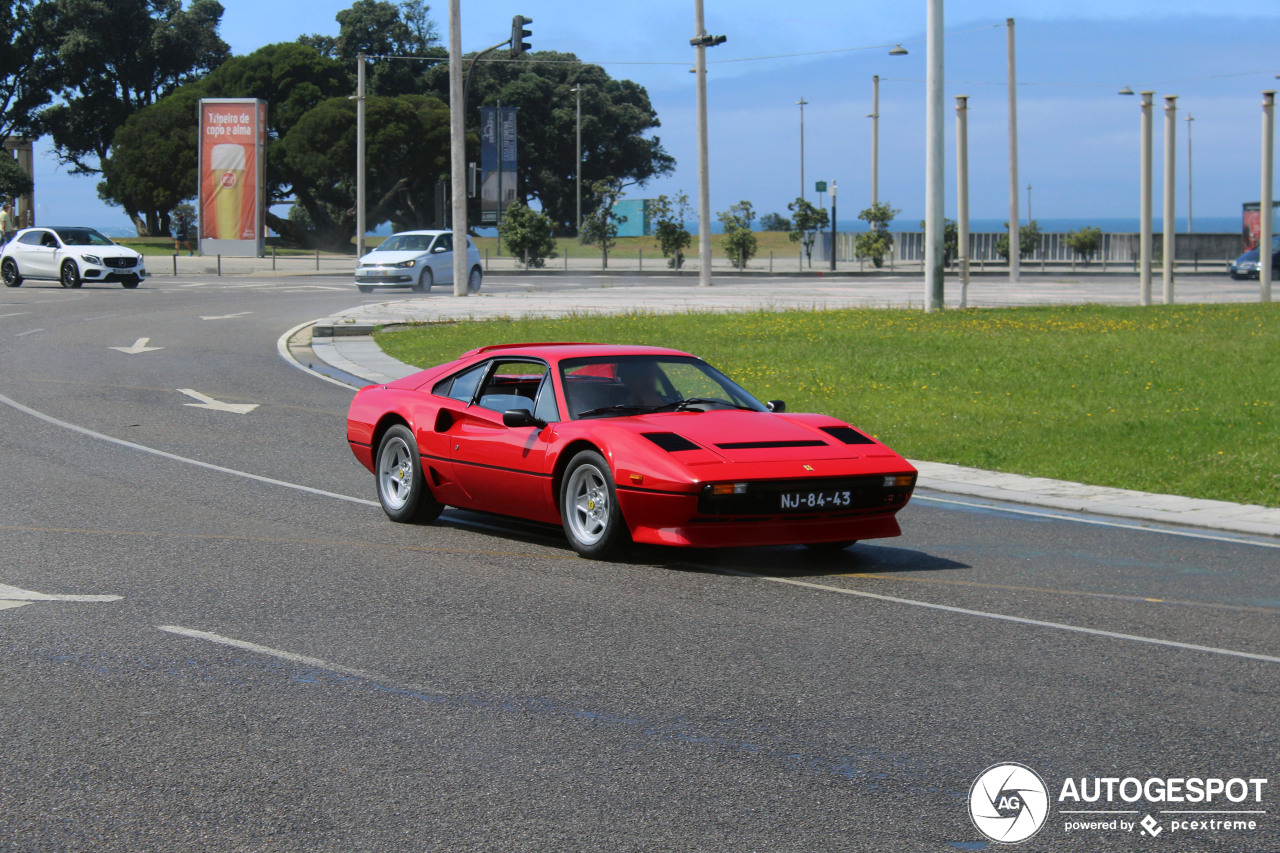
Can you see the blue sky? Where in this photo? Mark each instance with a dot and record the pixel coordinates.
(1078, 139)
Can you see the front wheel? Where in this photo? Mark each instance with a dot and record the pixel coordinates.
(130, 283)
(425, 280)
(589, 507)
(474, 280)
(364, 288)
(402, 487)
(70, 274)
(10, 273)
(828, 549)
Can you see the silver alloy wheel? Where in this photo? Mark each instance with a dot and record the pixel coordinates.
(395, 473)
(587, 504)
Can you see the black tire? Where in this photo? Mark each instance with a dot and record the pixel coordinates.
(829, 548)
(131, 282)
(402, 487)
(425, 280)
(70, 274)
(10, 273)
(589, 508)
(475, 279)
(364, 288)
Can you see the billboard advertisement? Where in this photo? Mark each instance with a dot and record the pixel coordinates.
(497, 161)
(1253, 222)
(231, 209)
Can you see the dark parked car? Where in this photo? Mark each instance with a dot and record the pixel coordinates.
(1247, 266)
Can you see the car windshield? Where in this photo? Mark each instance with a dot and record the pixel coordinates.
(82, 237)
(406, 243)
(616, 386)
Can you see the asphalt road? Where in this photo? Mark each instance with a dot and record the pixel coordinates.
(284, 669)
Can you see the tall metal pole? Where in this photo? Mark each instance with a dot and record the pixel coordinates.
(934, 187)
(704, 182)
(1190, 222)
(833, 226)
(497, 216)
(1028, 204)
(1015, 240)
(1268, 166)
(361, 225)
(801, 104)
(1144, 244)
(962, 195)
(577, 223)
(458, 151)
(875, 139)
(1170, 193)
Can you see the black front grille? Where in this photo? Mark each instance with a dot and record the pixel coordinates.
(765, 497)
(118, 263)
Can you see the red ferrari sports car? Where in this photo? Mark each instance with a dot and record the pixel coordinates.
(620, 444)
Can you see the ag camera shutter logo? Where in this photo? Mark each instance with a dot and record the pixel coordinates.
(1008, 803)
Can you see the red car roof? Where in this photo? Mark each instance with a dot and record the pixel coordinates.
(554, 351)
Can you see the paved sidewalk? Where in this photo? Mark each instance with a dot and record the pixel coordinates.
(343, 344)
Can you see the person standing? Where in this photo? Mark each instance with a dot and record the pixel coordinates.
(6, 223)
(181, 234)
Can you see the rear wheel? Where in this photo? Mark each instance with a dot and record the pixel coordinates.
(70, 274)
(474, 280)
(402, 487)
(9, 271)
(130, 283)
(425, 280)
(589, 507)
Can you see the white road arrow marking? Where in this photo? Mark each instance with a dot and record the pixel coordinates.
(140, 345)
(227, 316)
(12, 596)
(207, 402)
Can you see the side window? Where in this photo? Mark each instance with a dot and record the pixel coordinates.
(461, 386)
(512, 385)
(32, 238)
(545, 408)
(444, 241)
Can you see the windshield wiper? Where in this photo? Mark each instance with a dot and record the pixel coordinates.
(618, 409)
(689, 402)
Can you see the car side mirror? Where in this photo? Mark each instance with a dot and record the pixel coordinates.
(516, 418)
(776, 406)
(439, 250)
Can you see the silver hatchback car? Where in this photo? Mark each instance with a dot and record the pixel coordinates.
(416, 259)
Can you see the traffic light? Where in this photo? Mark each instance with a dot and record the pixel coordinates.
(518, 35)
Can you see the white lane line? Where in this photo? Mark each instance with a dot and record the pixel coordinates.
(28, 332)
(1021, 620)
(7, 605)
(1058, 516)
(207, 402)
(120, 442)
(13, 593)
(317, 663)
(15, 314)
(227, 316)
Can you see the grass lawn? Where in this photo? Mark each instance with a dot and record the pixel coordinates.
(1176, 399)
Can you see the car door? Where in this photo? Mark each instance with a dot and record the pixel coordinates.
(504, 469)
(442, 259)
(37, 254)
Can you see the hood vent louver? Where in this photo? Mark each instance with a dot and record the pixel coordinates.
(769, 445)
(670, 442)
(848, 435)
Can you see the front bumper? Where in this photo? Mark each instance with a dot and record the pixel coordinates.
(116, 274)
(659, 518)
(386, 277)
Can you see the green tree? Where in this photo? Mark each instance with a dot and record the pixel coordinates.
(774, 222)
(152, 167)
(379, 30)
(875, 244)
(14, 181)
(739, 241)
(600, 226)
(24, 66)
(807, 220)
(668, 217)
(1028, 240)
(1086, 241)
(950, 239)
(618, 121)
(528, 234)
(110, 59)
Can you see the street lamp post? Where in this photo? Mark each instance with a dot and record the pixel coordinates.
(1268, 167)
(458, 150)
(801, 104)
(1190, 118)
(1144, 239)
(361, 225)
(962, 195)
(875, 139)
(1015, 239)
(1170, 194)
(934, 187)
(701, 41)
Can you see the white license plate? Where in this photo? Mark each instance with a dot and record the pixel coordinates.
(820, 499)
